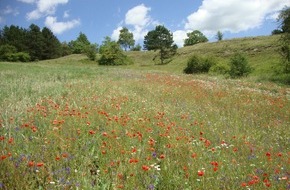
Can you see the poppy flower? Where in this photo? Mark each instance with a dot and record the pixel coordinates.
(162, 156)
(200, 173)
(145, 168)
(39, 164)
(31, 163)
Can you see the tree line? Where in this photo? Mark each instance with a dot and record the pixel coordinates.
(32, 44)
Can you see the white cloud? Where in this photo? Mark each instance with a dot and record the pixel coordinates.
(116, 33)
(138, 16)
(66, 14)
(44, 8)
(2, 20)
(179, 36)
(232, 15)
(9, 10)
(27, 1)
(139, 20)
(34, 15)
(60, 27)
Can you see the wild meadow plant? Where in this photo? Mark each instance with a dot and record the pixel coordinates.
(124, 129)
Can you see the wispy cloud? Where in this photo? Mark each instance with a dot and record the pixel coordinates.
(230, 16)
(66, 14)
(138, 21)
(60, 27)
(27, 1)
(43, 8)
(9, 10)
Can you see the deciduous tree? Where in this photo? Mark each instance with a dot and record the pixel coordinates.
(126, 39)
(195, 37)
(160, 39)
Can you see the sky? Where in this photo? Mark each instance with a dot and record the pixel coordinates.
(98, 19)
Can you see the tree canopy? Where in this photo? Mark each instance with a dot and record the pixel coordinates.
(79, 45)
(160, 39)
(195, 37)
(284, 20)
(36, 43)
(126, 39)
(111, 53)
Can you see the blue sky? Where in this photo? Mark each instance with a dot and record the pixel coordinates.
(98, 19)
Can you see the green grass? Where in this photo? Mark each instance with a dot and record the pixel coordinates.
(261, 52)
(71, 124)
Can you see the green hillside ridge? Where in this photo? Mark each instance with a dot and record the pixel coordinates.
(261, 52)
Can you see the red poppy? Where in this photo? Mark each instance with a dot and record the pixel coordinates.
(39, 164)
(200, 173)
(194, 155)
(145, 168)
(244, 184)
(162, 156)
(31, 163)
(3, 157)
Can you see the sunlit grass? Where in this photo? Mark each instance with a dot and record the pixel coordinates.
(80, 126)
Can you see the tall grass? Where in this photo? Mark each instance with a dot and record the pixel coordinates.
(70, 125)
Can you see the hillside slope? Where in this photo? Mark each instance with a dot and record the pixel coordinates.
(262, 54)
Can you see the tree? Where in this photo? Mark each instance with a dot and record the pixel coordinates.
(51, 45)
(195, 37)
(91, 51)
(80, 44)
(277, 31)
(65, 49)
(126, 39)
(36, 42)
(239, 66)
(136, 48)
(112, 54)
(16, 37)
(219, 36)
(160, 39)
(284, 19)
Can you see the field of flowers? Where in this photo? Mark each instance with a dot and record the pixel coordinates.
(108, 128)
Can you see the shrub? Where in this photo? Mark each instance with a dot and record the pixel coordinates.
(91, 51)
(197, 64)
(239, 66)
(112, 54)
(220, 69)
(5, 51)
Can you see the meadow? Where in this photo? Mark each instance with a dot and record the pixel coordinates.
(71, 124)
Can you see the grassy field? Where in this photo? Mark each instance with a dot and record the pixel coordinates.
(71, 124)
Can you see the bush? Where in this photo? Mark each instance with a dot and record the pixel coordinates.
(6, 50)
(239, 66)
(220, 69)
(112, 54)
(91, 51)
(15, 57)
(197, 64)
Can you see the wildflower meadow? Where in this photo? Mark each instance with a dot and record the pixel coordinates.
(82, 126)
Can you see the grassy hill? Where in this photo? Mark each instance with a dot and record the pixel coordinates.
(261, 52)
(69, 123)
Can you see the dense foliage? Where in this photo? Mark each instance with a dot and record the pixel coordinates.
(112, 54)
(219, 36)
(29, 44)
(126, 39)
(195, 37)
(160, 39)
(197, 64)
(239, 66)
(284, 18)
